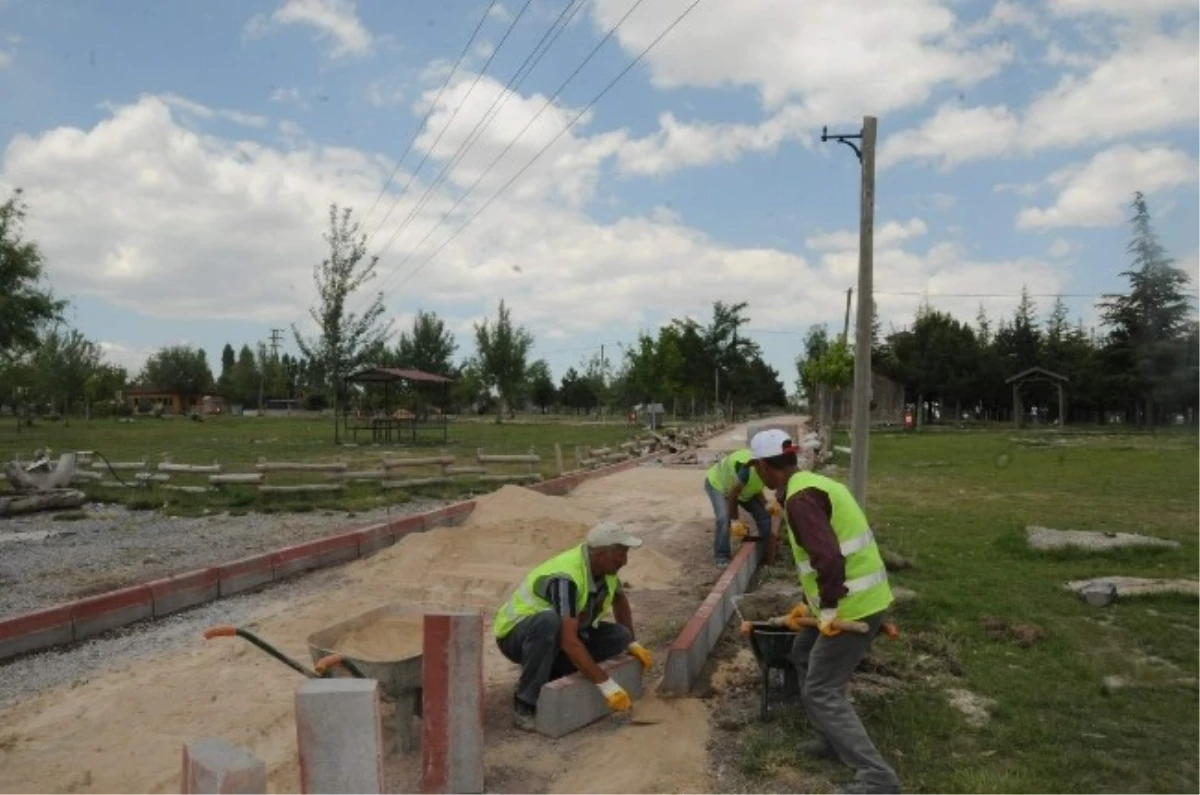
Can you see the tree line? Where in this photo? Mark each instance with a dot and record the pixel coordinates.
(1140, 368)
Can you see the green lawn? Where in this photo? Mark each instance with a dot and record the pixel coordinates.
(238, 442)
(956, 504)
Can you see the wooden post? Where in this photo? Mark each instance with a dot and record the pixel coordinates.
(558, 458)
(1062, 408)
(1017, 412)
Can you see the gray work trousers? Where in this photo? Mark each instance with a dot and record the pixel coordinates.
(536, 645)
(824, 666)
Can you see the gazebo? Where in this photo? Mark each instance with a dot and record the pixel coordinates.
(1032, 376)
(389, 427)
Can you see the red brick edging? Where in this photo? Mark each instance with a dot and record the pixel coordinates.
(84, 618)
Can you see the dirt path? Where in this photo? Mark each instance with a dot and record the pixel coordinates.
(122, 730)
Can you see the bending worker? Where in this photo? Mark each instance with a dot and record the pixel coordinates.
(843, 577)
(551, 624)
(730, 483)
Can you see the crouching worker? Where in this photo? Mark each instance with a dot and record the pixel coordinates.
(551, 624)
(842, 577)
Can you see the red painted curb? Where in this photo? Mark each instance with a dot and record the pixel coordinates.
(93, 615)
(242, 575)
(181, 591)
(102, 612)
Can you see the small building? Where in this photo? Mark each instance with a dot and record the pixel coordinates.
(152, 399)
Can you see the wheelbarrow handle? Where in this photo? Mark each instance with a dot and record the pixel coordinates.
(326, 664)
(226, 631)
(807, 621)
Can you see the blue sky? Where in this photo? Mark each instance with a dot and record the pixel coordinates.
(179, 158)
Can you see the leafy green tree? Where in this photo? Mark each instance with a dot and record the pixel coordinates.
(64, 361)
(428, 346)
(541, 385)
(25, 305)
(344, 337)
(181, 369)
(501, 351)
(1149, 326)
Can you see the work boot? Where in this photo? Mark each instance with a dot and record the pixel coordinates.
(524, 716)
(722, 563)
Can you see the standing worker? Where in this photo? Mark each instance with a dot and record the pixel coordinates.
(733, 482)
(551, 624)
(843, 577)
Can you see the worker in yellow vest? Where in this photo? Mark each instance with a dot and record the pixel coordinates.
(732, 483)
(843, 577)
(551, 625)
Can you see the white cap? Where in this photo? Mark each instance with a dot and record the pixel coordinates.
(609, 534)
(770, 443)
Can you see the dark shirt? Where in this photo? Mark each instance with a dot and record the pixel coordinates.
(563, 594)
(809, 513)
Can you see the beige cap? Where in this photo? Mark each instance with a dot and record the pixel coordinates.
(608, 534)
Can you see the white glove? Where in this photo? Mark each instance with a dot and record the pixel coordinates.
(825, 621)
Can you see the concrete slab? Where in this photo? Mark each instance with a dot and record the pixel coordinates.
(340, 736)
(211, 765)
(34, 631)
(573, 702)
(97, 614)
(452, 703)
(245, 574)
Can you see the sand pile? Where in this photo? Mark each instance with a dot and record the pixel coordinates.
(383, 640)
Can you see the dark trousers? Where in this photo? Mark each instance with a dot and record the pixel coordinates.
(535, 644)
(824, 666)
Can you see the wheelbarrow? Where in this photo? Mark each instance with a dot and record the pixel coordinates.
(399, 679)
(772, 643)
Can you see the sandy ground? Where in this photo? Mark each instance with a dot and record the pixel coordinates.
(122, 729)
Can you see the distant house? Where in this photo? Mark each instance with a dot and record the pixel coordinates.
(146, 399)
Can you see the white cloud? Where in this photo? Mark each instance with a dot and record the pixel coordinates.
(192, 108)
(290, 96)
(945, 271)
(1095, 193)
(1191, 266)
(1149, 83)
(826, 54)
(128, 355)
(385, 93)
(125, 212)
(679, 145)
(1061, 247)
(499, 12)
(953, 135)
(570, 167)
(9, 55)
(1120, 8)
(813, 63)
(289, 129)
(336, 23)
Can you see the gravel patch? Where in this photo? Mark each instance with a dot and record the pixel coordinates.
(27, 676)
(44, 562)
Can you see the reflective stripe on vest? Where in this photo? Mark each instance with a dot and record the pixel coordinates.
(868, 591)
(723, 474)
(526, 601)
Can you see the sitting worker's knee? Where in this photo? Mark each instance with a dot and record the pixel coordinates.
(545, 624)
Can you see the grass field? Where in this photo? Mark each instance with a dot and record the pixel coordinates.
(238, 442)
(956, 504)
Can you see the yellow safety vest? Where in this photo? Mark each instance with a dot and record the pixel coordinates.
(866, 575)
(527, 599)
(723, 475)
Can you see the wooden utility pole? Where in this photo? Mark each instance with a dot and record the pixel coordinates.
(861, 420)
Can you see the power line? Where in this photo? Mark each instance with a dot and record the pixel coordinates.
(501, 99)
(569, 125)
(918, 294)
(479, 76)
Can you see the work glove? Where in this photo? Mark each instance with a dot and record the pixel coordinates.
(737, 530)
(792, 620)
(643, 655)
(825, 622)
(615, 695)
(774, 509)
